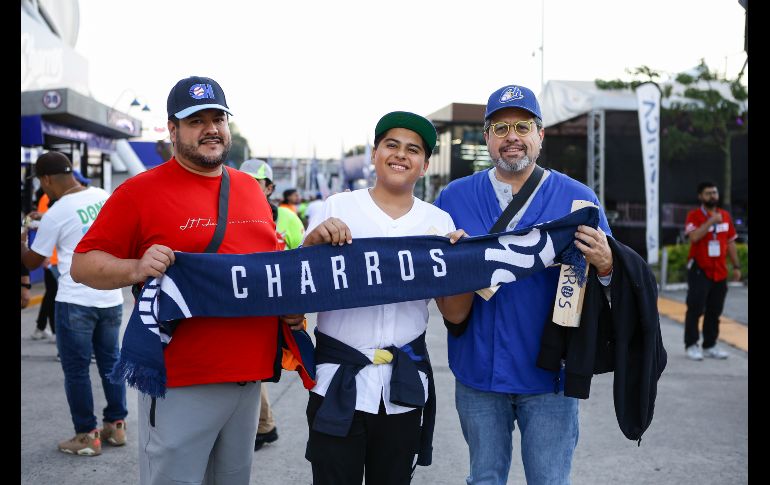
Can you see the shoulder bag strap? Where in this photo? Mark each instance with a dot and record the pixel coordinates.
(518, 200)
(457, 329)
(219, 232)
(224, 194)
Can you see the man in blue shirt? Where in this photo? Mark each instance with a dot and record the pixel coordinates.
(494, 358)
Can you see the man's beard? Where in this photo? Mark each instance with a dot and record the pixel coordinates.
(189, 152)
(513, 167)
(710, 203)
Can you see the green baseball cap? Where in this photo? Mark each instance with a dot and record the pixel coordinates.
(410, 121)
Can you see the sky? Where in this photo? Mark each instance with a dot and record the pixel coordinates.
(304, 77)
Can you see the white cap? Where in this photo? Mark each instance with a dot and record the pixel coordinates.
(259, 169)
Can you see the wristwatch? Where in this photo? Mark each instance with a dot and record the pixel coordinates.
(27, 286)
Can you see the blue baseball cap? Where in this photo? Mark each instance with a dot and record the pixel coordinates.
(513, 96)
(194, 94)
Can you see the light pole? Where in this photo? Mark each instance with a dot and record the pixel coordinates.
(121, 120)
(134, 102)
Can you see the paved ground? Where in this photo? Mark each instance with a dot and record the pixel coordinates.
(736, 305)
(699, 434)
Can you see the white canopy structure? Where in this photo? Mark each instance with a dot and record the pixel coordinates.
(564, 100)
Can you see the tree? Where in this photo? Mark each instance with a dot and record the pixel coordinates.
(700, 113)
(356, 150)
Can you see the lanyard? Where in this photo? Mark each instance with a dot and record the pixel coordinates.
(714, 226)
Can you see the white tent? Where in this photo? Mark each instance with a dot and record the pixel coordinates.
(564, 100)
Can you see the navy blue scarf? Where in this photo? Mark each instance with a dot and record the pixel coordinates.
(370, 271)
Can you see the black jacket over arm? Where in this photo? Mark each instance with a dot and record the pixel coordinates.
(624, 338)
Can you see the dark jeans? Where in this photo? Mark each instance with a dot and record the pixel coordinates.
(383, 447)
(82, 331)
(704, 296)
(46, 313)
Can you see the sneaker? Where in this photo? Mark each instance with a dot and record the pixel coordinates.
(52, 339)
(84, 444)
(715, 353)
(114, 433)
(40, 334)
(263, 438)
(693, 352)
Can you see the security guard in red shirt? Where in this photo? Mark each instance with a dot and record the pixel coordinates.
(712, 236)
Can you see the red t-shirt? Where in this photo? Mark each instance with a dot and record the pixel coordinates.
(171, 206)
(715, 267)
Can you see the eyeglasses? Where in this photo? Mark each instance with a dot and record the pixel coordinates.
(522, 128)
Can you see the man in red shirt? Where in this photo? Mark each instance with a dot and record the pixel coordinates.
(712, 236)
(205, 427)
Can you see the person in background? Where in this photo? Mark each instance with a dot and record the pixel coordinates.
(302, 210)
(87, 319)
(315, 211)
(712, 238)
(290, 199)
(289, 231)
(50, 272)
(45, 314)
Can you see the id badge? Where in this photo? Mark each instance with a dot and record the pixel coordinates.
(714, 248)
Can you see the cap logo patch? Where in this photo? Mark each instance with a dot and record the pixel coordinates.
(201, 91)
(510, 94)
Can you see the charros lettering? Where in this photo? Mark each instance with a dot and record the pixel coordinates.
(272, 273)
(567, 287)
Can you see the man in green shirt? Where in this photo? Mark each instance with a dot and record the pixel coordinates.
(288, 225)
(289, 231)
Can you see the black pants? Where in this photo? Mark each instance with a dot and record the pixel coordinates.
(46, 313)
(383, 447)
(704, 297)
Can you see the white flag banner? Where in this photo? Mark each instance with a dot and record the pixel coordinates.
(648, 100)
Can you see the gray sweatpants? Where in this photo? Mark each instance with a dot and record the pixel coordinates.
(202, 434)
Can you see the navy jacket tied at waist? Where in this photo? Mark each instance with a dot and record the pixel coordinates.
(335, 415)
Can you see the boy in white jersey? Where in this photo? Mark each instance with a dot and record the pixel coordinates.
(356, 428)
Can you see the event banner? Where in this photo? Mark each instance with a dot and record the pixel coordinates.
(648, 100)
